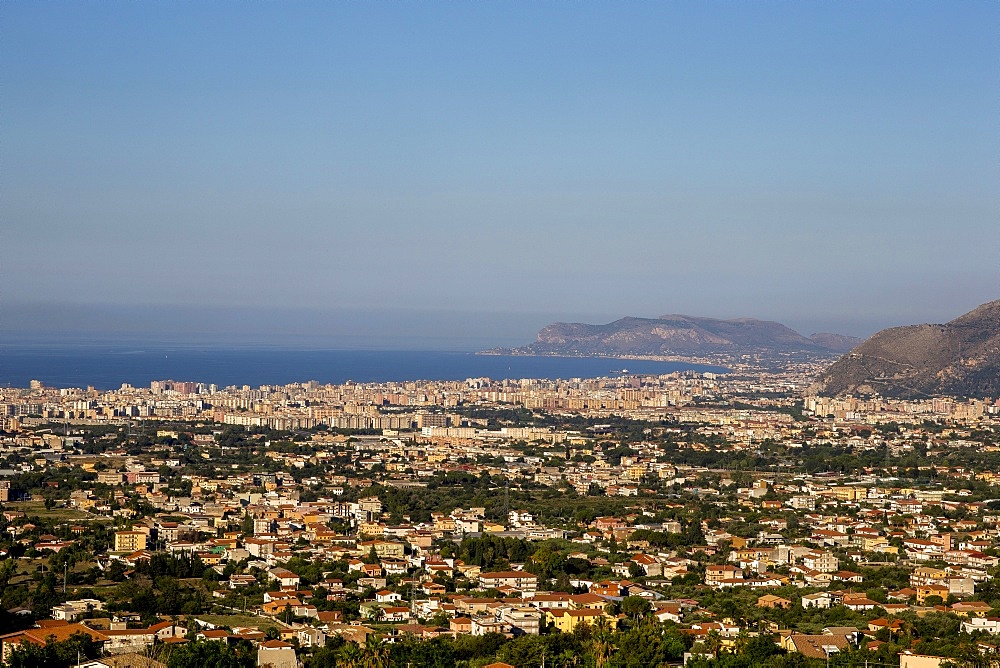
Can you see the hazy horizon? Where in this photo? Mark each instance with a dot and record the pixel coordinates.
(462, 174)
(400, 329)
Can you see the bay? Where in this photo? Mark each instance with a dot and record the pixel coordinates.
(109, 367)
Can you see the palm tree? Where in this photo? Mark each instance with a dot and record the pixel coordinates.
(601, 644)
(713, 642)
(971, 657)
(602, 649)
(350, 655)
(376, 614)
(376, 654)
(569, 659)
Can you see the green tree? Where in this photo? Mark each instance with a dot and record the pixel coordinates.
(214, 654)
(759, 648)
(54, 654)
(116, 571)
(375, 654)
(635, 607)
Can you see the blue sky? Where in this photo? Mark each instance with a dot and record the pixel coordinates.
(833, 166)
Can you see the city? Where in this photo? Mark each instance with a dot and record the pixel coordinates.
(499, 334)
(628, 519)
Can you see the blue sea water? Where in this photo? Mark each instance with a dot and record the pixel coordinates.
(109, 367)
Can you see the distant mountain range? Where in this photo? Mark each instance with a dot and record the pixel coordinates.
(960, 358)
(679, 335)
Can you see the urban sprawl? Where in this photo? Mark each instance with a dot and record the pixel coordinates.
(707, 519)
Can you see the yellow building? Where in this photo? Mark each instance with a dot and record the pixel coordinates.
(567, 620)
(371, 529)
(444, 524)
(926, 591)
(876, 544)
(907, 660)
(925, 575)
(850, 493)
(130, 541)
(383, 548)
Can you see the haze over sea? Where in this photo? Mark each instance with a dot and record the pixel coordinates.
(107, 367)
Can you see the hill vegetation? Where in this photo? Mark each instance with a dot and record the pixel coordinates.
(958, 358)
(680, 335)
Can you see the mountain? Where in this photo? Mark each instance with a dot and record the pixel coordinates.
(960, 358)
(680, 335)
(838, 343)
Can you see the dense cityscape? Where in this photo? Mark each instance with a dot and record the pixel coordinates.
(499, 334)
(732, 519)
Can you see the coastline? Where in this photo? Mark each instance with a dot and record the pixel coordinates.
(67, 367)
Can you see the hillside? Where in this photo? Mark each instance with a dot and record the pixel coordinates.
(960, 358)
(680, 335)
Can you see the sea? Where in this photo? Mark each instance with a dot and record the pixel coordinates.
(110, 367)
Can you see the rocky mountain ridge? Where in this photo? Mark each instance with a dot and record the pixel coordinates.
(958, 358)
(680, 335)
